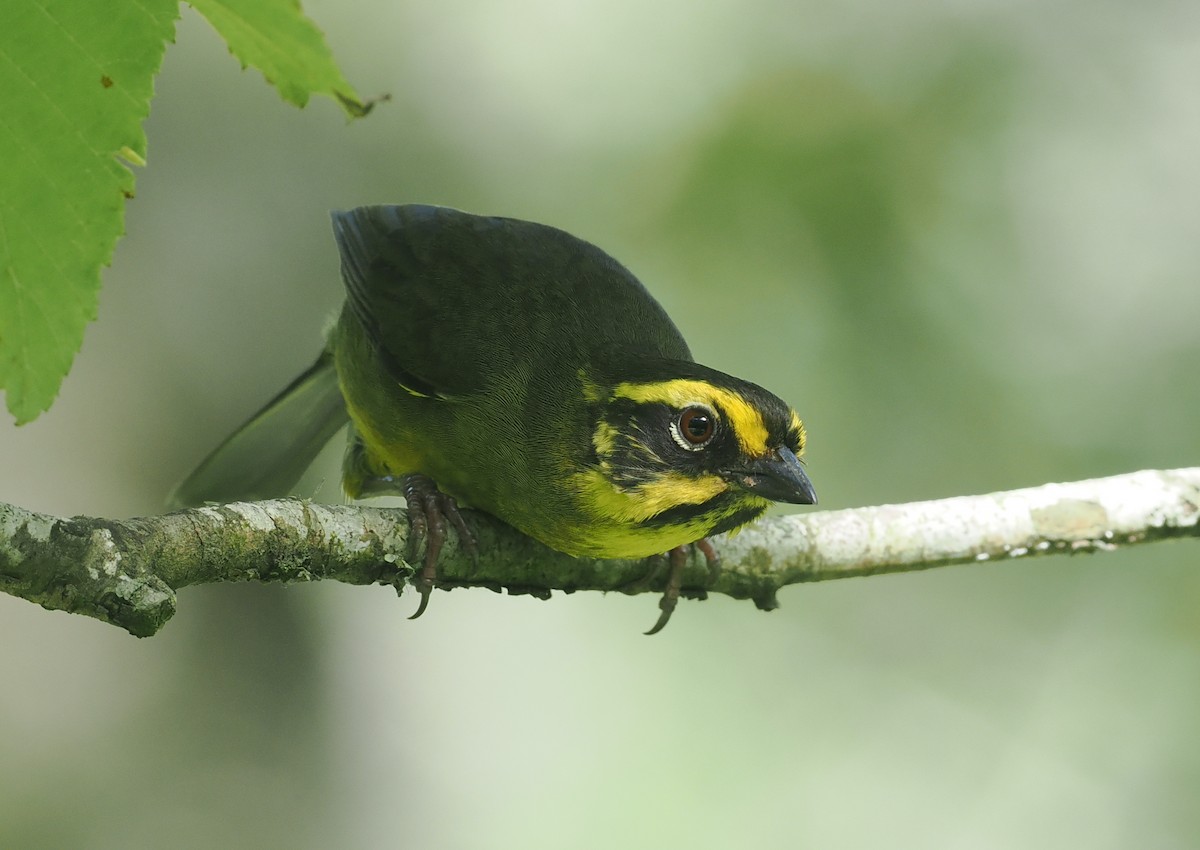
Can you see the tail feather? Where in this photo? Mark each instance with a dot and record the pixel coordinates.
(266, 456)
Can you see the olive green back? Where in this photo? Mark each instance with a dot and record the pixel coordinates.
(505, 296)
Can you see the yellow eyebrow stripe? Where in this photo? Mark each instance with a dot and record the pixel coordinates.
(744, 419)
(799, 426)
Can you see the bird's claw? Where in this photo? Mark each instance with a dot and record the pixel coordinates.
(677, 558)
(428, 510)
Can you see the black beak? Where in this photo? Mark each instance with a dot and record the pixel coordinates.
(778, 477)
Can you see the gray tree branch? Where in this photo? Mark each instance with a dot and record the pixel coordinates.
(127, 572)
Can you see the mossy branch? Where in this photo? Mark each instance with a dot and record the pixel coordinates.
(126, 572)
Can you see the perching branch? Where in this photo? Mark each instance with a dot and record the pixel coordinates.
(127, 572)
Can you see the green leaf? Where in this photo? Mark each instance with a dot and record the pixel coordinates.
(275, 37)
(76, 78)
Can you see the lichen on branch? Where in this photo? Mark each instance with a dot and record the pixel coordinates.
(127, 572)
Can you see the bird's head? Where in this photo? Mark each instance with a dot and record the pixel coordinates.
(681, 451)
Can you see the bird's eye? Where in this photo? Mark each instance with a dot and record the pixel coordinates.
(695, 427)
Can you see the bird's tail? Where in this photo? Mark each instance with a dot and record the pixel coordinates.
(267, 455)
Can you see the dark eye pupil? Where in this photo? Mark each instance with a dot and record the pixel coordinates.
(697, 425)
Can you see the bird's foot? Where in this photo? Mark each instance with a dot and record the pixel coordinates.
(429, 509)
(677, 559)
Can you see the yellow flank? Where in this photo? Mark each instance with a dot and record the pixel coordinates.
(397, 456)
(746, 422)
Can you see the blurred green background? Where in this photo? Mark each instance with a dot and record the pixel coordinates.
(962, 238)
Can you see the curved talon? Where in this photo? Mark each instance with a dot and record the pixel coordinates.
(677, 558)
(428, 509)
(425, 591)
(431, 507)
(667, 604)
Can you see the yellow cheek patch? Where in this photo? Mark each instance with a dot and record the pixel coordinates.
(744, 419)
(639, 503)
(672, 489)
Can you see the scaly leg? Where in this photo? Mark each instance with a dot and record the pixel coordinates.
(677, 558)
(428, 510)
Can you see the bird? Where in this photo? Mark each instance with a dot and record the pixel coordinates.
(510, 367)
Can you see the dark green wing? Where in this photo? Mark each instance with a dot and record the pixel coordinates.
(454, 301)
(266, 456)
